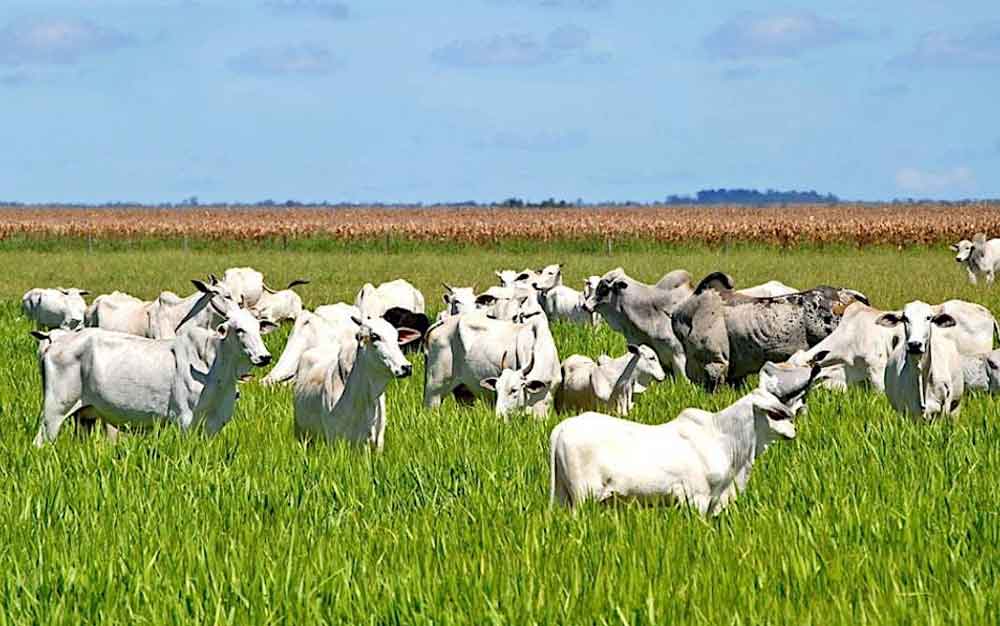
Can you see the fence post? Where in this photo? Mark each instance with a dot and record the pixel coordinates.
(387, 242)
(90, 243)
(608, 242)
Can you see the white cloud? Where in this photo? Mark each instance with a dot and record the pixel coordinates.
(56, 41)
(775, 35)
(924, 181)
(977, 48)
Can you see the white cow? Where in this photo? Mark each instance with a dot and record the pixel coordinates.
(169, 311)
(770, 289)
(506, 303)
(561, 302)
(312, 330)
(512, 278)
(123, 379)
(981, 372)
(246, 285)
(589, 386)
(119, 312)
(858, 349)
(699, 459)
(923, 377)
(467, 349)
(980, 257)
(375, 301)
(55, 308)
(278, 306)
(338, 399)
(457, 300)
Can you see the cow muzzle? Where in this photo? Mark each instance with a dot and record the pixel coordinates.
(915, 347)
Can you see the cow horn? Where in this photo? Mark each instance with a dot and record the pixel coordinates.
(448, 287)
(531, 364)
(297, 282)
(503, 361)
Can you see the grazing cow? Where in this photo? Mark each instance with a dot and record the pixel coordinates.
(980, 257)
(642, 312)
(375, 301)
(55, 308)
(169, 311)
(923, 377)
(590, 386)
(514, 388)
(278, 306)
(981, 372)
(457, 300)
(123, 379)
(465, 350)
(402, 318)
(859, 348)
(728, 336)
(560, 302)
(119, 312)
(312, 330)
(338, 399)
(698, 459)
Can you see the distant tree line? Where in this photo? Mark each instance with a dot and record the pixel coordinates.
(753, 196)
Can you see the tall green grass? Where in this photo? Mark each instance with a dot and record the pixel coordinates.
(864, 518)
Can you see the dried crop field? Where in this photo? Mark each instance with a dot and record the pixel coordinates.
(861, 224)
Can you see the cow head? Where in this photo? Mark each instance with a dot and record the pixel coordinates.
(218, 294)
(242, 329)
(648, 366)
(548, 277)
(917, 318)
(514, 390)
(607, 290)
(590, 285)
(962, 249)
(779, 396)
(380, 346)
(74, 307)
(459, 299)
(506, 277)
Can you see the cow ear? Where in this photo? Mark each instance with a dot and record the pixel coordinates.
(446, 298)
(943, 320)
(535, 386)
(356, 320)
(953, 247)
(202, 287)
(39, 335)
(267, 326)
(83, 292)
(775, 408)
(888, 320)
(407, 335)
(488, 383)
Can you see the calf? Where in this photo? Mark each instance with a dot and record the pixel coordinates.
(605, 386)
(923, 377)
(698, 459)
(334, 400)
(123, 379)
(55, 308)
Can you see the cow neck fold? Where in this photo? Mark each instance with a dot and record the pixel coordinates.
(736, 424)
(204, 358)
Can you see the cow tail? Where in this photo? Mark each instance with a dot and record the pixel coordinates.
(554, 487)
(996, 329)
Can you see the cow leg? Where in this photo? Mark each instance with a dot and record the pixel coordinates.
(972, 276)
(53, 416)
(989, 277)
(678, 363)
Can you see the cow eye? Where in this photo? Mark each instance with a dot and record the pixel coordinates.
(376, 337)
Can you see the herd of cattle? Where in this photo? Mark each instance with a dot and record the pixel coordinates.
(131, 363)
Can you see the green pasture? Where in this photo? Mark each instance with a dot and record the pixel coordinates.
(865, 518)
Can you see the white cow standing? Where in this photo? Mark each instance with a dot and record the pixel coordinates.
(119, 312)
(338, 400)
(589, 386)
(55, 308)
(699, 459)
(123, 379)
(980, 257)
(923, 377)
(467, 349)
(859, 348)
(375, 301)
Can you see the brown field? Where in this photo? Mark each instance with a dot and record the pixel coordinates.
(860, 224)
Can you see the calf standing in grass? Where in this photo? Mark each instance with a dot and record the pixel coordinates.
(335, 401)
(609, 386)
(699, 459)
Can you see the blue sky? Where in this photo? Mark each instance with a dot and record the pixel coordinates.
(484, 99)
